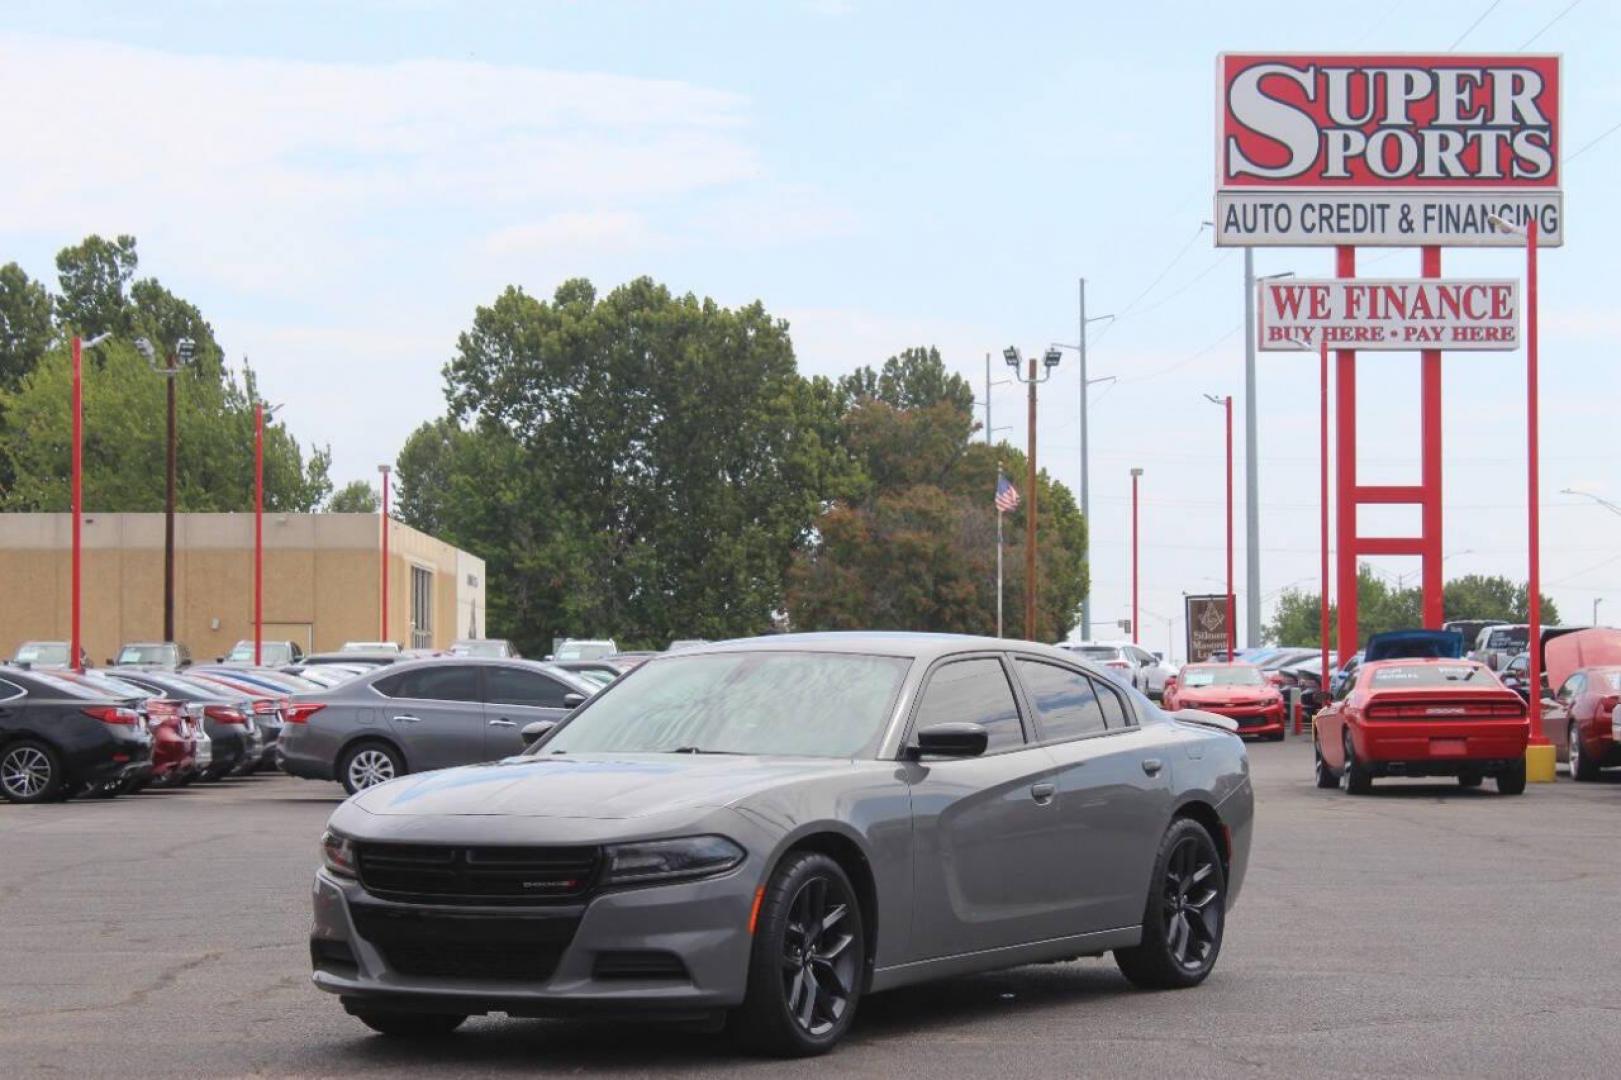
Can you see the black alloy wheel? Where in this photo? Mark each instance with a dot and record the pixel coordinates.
(1185, 915)
(1354, 777)
(29, 772)
(808, 962)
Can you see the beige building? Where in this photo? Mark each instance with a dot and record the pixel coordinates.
(321, 582)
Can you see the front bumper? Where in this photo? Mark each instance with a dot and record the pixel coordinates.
(1252, 719)
(700, 929)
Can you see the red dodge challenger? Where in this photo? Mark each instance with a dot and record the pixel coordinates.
(1239, 692)
(1422, 718)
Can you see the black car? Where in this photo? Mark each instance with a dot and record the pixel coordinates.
(226, 718)
(58, 737)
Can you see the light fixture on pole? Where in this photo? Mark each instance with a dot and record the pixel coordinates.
(1226, 402)
(76, 490)
(1136, 475)
(1049, 363)
(383, 585)
(1542, 751)
(261, 411)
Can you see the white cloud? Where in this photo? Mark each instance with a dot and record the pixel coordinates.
(573, 230)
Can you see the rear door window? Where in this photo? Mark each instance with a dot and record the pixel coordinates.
(1066, 701)
(973, 692)
(515, 686)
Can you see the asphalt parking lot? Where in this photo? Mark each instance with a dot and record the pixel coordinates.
(1422, 931)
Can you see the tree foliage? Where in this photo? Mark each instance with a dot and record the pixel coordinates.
(1381, 607)
(124, 399)
(910, 541)
(355, 497)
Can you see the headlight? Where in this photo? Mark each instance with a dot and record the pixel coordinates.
(670, 860)
(338, 854)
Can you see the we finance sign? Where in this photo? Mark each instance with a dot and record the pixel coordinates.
(1386, 150)
(1369, 314)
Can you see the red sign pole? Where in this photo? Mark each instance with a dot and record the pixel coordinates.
(77, 495)
(1430, 468)
(1345, 479)
(1322, 506)
(258, 533)
(383, 633)
(1533, 586)
(1228, 406)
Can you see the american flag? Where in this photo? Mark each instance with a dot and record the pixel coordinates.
(1007, 496)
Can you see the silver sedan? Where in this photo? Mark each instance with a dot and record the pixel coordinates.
(767, 830)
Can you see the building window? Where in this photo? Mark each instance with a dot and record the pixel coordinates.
(421, 608)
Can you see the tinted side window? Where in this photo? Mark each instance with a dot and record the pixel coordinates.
(436, 682)
(514, 686)
(1114, 710)
(1066, 701)
(9, 690)
(973, 692)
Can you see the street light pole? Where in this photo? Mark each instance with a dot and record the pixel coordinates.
(1136, 475)
(1049, 362)
(1252, 458)
(75, 656)
(1086, 494)
(383, 633)
(258, 532)
(1226, 402)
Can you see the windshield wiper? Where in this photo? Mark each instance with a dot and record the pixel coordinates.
(699, 750)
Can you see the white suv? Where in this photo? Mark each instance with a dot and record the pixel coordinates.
(1132, 663)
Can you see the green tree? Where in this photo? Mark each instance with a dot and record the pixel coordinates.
(1478, 596)
(638, 464)
(25, 324)
(355, 497)
(124, 441)
(94, 276)
(1381, 608)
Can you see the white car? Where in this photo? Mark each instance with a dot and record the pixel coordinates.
(585, 649)
(1131, 663)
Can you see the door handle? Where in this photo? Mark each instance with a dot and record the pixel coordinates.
(407, 720)
(1043, 793)
(502, 723)
(1152, 766)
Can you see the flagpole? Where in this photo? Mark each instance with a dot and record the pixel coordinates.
(999, 516)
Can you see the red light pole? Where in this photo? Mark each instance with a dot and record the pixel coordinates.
(1136, 474)
(259, 413)
(383, 632)
(77, 496)
(1226, 402)
(1322, 523)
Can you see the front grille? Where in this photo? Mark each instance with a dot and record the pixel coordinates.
(433, 873)
(464, 946)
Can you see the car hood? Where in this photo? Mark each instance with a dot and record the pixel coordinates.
(1568, 653)
(1194, 695)
(597, 786)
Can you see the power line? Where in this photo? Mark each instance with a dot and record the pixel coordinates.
(1545, 26)
(1611, 130)
(1491, 7)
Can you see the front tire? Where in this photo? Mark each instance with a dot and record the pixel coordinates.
(368, 764)
(808, 963)
(30, 772)
(1185, 915)
(1582, 767)
(410, 1025)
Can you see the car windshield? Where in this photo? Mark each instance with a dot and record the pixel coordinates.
(584, 650)
(1098, 652)
(1429, 675)
(595, 677)
(1222, 675)
(787, 703)
(496, 649)
(145, 654)
(43, 652)
(1516, 637)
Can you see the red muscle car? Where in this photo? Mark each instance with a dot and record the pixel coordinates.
(1422, 718)
(1239, 692)
(1580, 718)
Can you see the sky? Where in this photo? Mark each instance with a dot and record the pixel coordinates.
(339, 186)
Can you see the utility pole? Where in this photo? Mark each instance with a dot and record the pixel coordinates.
(988, 403)
(1136, 627)
(1049, 362)
(1086, 503)
(168, 510)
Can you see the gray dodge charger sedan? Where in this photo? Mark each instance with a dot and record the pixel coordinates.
(759, 832)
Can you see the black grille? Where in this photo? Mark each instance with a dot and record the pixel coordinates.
(638, 964)
(432, 873)
(448, 945)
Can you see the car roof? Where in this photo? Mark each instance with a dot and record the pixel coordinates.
(907, 644)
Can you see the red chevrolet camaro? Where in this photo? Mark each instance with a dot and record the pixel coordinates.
(1239, 692)
(1422, 718)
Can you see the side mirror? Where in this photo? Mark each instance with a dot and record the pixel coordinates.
(952, 740)
(571, 700)
(535, 731)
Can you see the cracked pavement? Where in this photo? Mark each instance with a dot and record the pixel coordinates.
(1422, 931)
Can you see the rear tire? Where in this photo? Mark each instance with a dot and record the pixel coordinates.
(1355, 776)
(1325, 775)
(1185, 915)
(367, 764)
(1511, 781)
(1582, 767)
(410, 1025)
(808, 964)
(30, 772)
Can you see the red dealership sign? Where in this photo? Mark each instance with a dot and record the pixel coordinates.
(1370, 149)
(1386, 314)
